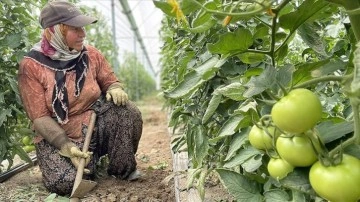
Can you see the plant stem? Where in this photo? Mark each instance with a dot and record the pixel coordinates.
(274, 29)
(354, 101)
(273, 38)
(338, 148)
(320, 79)
(355, 107)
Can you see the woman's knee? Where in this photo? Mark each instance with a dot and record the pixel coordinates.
(61, 186)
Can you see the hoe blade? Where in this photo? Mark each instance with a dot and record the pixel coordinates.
(83, 188)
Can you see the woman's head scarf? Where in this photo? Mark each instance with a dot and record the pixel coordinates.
(54, 54)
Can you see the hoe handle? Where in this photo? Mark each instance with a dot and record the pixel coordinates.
(80, 169)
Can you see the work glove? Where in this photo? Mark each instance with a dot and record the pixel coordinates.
(51, 131)
(117, 94)
(70, 150)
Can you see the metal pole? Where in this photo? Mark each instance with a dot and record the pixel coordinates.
(116, 66)
(127, 12)
(136, 72)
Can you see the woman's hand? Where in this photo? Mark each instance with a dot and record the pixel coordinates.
(117, 94)
(71, 151)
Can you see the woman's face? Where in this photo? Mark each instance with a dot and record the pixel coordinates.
(75, 37)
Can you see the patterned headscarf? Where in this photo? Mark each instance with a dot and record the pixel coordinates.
(54, 54)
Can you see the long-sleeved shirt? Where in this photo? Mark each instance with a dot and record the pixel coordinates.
(36, 85)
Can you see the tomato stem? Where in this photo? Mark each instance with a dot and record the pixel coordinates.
(274, 97)
(282, 88)
(346, 143)
(319, 80)
(320, 149)
(355, 107)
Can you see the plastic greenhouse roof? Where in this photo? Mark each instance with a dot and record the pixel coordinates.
(148, 21)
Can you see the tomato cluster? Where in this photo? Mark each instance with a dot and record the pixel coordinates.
(28, 144)
(296, 115)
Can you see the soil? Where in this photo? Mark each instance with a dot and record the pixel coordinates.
(154, 162)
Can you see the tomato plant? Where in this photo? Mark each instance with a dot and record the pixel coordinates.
(262, 138)
(291, 61)
(296, 149)
(338, 183)
(297, 112)
(279, 168)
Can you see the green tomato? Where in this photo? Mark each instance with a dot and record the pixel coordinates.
(279, 168)
(260, 139)
(26, 140)
(296, 150)
(297, 112)
(29, 148)
(339, 183)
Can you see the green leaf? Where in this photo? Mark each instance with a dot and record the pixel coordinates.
(282, 52)
(233, 91)
(306, 10)
(213, 104)
(246, 106)
(13, 40)
(4, 113)
(303, 72)
(206, 25)
(203, 21)
(298, 180)
(190, 141)
(2, 100)
(226, 45)
(309, 34)
(201, 145)
(176, 112)
(253, 72)
(251, 58)
(192, 174)
(17, 149)
(240, 187)
(253, 163)
(229, 127)
(262, 32)
(258, 84)
(54, 197)
(276, 195)
(242, 156)
(25, 131)
(13, 85)
(330, 131)
(51, 197)
(284, 74)
(328, 68)
(188, 7)
(298, 196)
(201, 183)
(194, 79)
(164, 7)
(236, 143)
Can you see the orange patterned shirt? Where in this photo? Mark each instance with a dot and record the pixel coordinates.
(36, 85)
